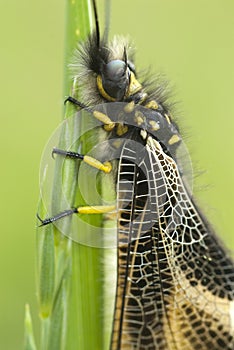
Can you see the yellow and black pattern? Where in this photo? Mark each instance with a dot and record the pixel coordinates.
(175, 281)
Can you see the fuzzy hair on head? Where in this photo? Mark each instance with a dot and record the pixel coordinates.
(88, 60)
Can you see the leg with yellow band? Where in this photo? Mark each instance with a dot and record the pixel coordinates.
(105, 167)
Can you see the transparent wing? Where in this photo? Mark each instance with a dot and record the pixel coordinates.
(175, 281)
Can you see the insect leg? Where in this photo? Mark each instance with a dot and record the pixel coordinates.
(75, 102)
(102, 117)
(96, 209)
(105, 167)
(60, 215)
(95, 163)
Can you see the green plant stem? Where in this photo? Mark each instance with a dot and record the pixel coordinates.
(29, 342)
(69, 275)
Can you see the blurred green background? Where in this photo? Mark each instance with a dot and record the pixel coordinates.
(192, 42)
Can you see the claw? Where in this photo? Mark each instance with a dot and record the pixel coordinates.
(57, 217)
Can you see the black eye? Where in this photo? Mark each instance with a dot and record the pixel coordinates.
(115, 79)
(115, 69)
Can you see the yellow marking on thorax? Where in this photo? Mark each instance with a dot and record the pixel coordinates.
(139, 118)
(152, 105)
(134, 86)
(167, 118)
(174, 139)
(154, 125)
(121, 129)
(143, 134)
(129, 107)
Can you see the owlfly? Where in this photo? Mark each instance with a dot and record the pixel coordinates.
(175, 280)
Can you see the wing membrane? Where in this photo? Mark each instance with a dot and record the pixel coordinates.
(175, 284)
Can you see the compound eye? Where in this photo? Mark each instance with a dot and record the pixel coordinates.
(115, 79)
(115, 69)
